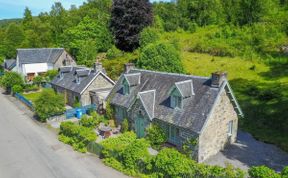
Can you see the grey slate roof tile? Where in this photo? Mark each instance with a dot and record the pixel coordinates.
(68, 81)
(195, 108)
(39, 55)
(148, 100)
(9, 64)
(133, 79)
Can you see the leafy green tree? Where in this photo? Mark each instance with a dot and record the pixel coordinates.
(27, 19)
(58, 17)
(49, 104)
(10, 79)
(252, 11)
(13, 38)
(160, 57)
(156, 135)
(87, 39)
(128, 19)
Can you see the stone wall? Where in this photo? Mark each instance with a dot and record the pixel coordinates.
(98, 83)
(64, 56)
(70, 97)
(134, 111)
(214, 136)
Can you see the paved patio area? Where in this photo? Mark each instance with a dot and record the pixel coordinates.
(247, 152)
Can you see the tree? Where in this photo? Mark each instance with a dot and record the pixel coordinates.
(49, 104)
(284, 172)
(13, 38)
(10, 79)
(57, 20)
(27, 19)
(38, 80)
(87, 39)
(252, 11)
(160, 57)
(128, 19)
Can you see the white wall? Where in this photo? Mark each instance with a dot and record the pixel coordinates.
(36, 68)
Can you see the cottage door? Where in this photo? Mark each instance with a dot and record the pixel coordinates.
(139, 126)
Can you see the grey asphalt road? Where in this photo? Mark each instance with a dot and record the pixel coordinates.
(29, 150)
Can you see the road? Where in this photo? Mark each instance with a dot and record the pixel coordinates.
(30, 150)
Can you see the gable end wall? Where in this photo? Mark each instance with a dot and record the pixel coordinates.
(99, 82)
(214, 136)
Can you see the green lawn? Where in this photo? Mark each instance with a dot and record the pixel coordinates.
(33, 96)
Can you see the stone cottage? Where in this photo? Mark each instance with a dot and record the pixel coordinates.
(84, 85)
(186, 107)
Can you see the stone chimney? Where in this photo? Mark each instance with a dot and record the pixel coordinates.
(218, 78)
(98, 67)
(128, 67)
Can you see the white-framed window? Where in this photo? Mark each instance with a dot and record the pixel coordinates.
(230, 128)
(126, 89)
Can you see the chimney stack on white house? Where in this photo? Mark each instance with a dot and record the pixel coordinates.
(128, 67)
(218, 78)
(98, 67)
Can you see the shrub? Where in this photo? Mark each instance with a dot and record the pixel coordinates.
(284, 172)
(28, 88)
(112, 147)
(135, 153)
(262, 172)
(37, 80)
(156, 135)
(10, 79)
(87, 121)
(124, 126)
(50, 74)
(109, 110)
(77, 136)
(160, 57)
(171, 163)
(49, 104)
(17, 89)
(99, 118)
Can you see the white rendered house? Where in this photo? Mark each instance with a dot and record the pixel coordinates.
(37, 61)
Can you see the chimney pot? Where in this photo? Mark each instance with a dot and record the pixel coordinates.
(218, 78)
(98, 67)
(128, 67)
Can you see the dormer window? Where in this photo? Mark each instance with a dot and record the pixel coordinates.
(176, 99)
(126, 88)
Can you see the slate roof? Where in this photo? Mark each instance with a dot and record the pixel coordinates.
(39, 55)
(133, 79)
(185, 88)
(68, 78)
(195, 108)
(9, 64)
(148, 100)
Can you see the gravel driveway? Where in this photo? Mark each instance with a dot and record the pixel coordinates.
(247, 152)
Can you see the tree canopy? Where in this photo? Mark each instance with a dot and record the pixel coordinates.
(128, 19)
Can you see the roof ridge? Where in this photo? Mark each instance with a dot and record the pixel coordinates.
(19, 49)
(169, 73)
